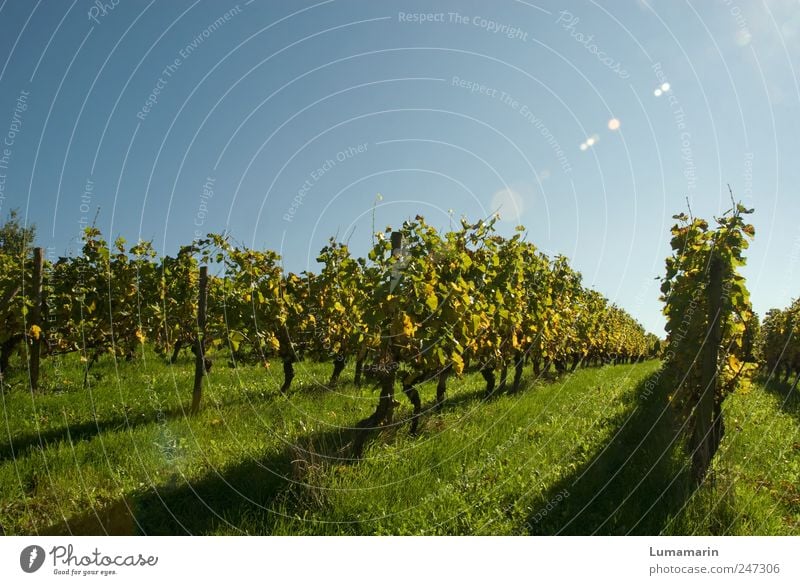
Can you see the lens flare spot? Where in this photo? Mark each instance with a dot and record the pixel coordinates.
(509, 204)
(743, 37)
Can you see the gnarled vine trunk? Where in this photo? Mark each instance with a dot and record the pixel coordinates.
(441, 386)
(488, 374)
(519, 361)
(707, 426)
(338, 367)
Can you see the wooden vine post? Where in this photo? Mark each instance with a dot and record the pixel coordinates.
(388, 372)
(35, 330)
(199, 343)
(707, 431)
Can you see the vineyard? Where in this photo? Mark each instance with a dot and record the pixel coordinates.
(778, 346)
(157, 352)
(423, 305)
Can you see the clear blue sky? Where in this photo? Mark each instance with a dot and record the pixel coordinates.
(482, 105)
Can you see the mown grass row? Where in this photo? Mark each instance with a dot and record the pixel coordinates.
(590, 452)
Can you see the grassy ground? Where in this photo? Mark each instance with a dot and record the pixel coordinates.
(591, 452)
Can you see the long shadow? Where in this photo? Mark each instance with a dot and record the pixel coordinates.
(528, 383)
(787, 392)
(230, 498)
(633, 485)
(21, 445)
(225, 499)
(115, 519)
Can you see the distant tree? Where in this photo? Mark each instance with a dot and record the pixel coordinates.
(16, 243)
(15, 239)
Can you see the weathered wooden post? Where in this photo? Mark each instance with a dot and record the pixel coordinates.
(199, 360)
(36, 318)
(708, 428)
(388, 372)
(397, 243)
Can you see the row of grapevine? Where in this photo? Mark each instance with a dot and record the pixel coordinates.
(778, 342)
(708, 312)
(423, 304)
(12, 305)
(438, 302)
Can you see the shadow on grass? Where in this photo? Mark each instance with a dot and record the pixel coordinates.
(21, 445)
(230, 498)
(634, 485)
(787, 392)
(115, 519)
(225, 499)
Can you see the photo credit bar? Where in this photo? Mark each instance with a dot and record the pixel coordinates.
(449, 559)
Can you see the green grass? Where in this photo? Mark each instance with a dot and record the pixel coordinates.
(588, 453)
(757, 469)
